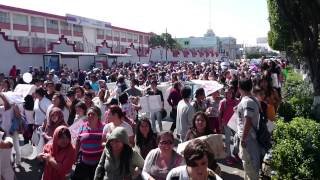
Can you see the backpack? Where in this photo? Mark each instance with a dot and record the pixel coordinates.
(263, 135)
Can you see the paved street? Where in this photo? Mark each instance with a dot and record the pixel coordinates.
(30, 168)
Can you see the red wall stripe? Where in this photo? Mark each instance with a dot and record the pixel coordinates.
(20, 27)
(37, 29)
(4, 25)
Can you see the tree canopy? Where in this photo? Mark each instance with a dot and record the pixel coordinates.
(294, 28)
(164, 40)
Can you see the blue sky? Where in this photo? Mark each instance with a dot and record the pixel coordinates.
(243, 19)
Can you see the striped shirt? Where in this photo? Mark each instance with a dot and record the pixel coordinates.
(90, 141)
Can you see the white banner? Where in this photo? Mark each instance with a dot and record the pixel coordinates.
(73, 19)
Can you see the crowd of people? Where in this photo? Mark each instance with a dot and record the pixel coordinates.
(114, 141)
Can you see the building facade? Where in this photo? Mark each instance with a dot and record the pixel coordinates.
(209, 40)
(35, 31)
(226, 46)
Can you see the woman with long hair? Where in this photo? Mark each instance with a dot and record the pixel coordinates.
(55, 119)
(81, 112)
(89, 145)
(118, 160)
(59, 155)
(146, 139)
(272, 96)
(116, 118)
(161, 160)
(59, 102)
(5, 86)
(200, 126)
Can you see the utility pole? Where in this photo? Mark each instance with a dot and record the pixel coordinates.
(166, 44)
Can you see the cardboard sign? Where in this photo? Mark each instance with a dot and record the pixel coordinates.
(150, 103)
(25, 89)
(13, 98)
(74, 129)
(233, 122)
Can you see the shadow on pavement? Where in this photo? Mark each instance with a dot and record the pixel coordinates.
(29, 169)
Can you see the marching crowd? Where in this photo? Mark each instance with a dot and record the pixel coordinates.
(92, 131)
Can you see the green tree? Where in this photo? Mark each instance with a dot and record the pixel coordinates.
(156, 40)
(164, 40)
(295, 28)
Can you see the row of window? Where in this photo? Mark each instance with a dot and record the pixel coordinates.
(34, 43)
(64, 26)
(37, 22)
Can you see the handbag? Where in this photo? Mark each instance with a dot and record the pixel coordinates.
(163, 113)
(36, 136)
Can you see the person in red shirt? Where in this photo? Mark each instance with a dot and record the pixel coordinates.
(13, 72)
(226, 110)
(59, 155)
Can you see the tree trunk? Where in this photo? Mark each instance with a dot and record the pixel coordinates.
(314, 69)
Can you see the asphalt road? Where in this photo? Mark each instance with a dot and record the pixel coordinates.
(30, 168)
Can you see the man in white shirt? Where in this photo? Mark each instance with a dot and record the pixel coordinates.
(185, 112)
(41, 105)
(248, 120)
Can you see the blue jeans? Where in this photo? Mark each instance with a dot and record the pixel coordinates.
(227, 139)
(156, 116)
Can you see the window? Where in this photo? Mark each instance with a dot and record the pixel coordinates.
(123, 35)
(116, 34)
(50, 41)
(129, 35)
(20, 19)
(65, 26)
(135, 37)
(108, 32)
(22, 41)
(79, 45)
(146, 39)
(37, 21)
(186, 43)
(100, 32)
(77, 28)
(38, 42)
(52, 24)
(4, 17)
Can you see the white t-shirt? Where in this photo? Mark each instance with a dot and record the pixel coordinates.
(110, 126)
(100, 104)
(39, 115)
(6, 118)
(247, 108)
(29, 115)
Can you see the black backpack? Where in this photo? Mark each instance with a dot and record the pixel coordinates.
(263, 135)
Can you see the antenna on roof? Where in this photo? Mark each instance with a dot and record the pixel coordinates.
(210, 14)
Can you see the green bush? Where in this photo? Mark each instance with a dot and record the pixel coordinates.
(296, 152)
(297, 97)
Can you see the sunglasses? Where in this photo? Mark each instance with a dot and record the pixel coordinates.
(166, 142)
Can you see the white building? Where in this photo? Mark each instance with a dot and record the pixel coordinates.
(226, 46)
(35, 31)
(26, 38)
